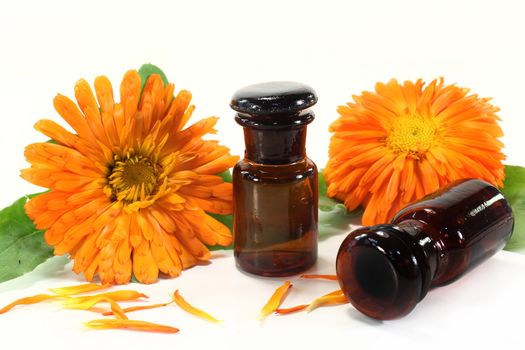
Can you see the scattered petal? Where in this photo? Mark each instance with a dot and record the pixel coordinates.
(334, 298)
(323, 277)
(138, 308)
(87, 302)
(27, 301)
(116, 309)
(131, 325)
(79, 289)
(184, 305)
(275, 300)
(291, 309)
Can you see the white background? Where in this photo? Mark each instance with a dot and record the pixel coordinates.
(212, 48)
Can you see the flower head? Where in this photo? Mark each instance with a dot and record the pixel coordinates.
(130, 189)
(401, 142)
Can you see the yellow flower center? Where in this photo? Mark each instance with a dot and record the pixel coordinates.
(133, 178)
(412, 134)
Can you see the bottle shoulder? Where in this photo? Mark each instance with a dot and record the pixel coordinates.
(442, 226)
(302, 165)
(299, 170)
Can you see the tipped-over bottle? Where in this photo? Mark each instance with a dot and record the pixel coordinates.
(385, 270)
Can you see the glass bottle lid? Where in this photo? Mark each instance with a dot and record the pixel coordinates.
(277, 97)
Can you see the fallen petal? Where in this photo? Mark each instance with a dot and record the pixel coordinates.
(334, 298)
(275, 300)
(131, 325)
(87, 302)
(116, 309)
(184, 305)
(79, 289)
(27, 301)
(291, 309)
(323, 277)
(138, 308)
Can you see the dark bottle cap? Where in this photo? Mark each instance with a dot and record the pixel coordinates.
(275, 97)
(278, 103)
(382, 272)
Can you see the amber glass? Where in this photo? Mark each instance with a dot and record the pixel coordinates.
(275, 222)
(275, 185)
(385, 270)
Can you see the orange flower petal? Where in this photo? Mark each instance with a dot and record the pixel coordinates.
(291, 309)
(323, 277)
(333, 298)
(138, 308)
(79, 289)
(27, 301)
(184, 305)
(130, 325)
(275, 300)
(87, 302)
(116, 309)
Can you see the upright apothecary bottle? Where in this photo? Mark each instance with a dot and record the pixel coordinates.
(275, 185)
(385, 270)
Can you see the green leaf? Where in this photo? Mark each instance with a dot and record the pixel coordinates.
(226, 176)
(225, 219)
(514, 192)
(22, 246)
(333, 216)
(148, 69)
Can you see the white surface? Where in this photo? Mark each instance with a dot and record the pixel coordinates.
(485, 307)
(212, 48)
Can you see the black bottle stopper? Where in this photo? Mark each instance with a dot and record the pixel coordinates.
(274, 104)
(274, 116)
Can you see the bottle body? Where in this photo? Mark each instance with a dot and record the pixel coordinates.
(275, 220)
(275, 185)
(467, 222)
(385, 270)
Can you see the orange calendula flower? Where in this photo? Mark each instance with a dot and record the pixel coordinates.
(131, 188)
(184, 305)
(131, 325)
(403, 141)
(275, 300)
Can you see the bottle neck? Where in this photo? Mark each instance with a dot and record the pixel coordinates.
(275, 146)
(425, 249)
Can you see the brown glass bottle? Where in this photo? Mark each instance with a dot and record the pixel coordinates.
(385, 270)
(275, 185)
